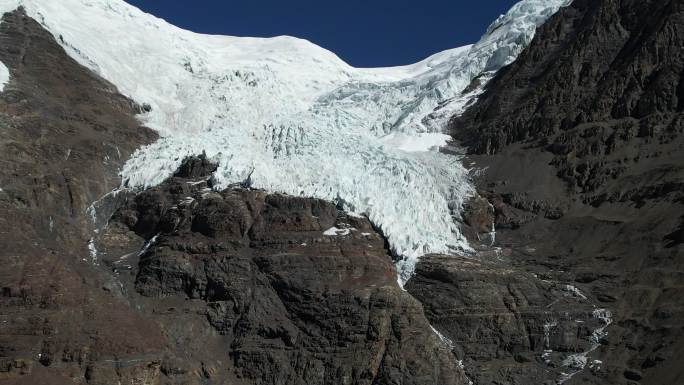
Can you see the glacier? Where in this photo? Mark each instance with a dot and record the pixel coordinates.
(295, 116)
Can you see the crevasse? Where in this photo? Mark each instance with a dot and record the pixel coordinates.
(304, 121)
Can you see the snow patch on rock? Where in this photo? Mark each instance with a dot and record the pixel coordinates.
(334, 231)
(4, 76)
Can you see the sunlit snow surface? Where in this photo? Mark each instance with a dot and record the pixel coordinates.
(306, 122)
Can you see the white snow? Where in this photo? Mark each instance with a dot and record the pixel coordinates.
(416, 142)
(573, 290)
(578, 361)
(187, 200)
(147, 245)
(355, 215)
(547, 333)
(92, 249)
(306, 122)
(4, 76)
(334, 231)
(596, 365)
(445, 340)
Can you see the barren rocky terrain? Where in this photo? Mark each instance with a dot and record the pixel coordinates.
(581, 147)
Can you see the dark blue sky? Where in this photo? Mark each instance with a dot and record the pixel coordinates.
(366, 33)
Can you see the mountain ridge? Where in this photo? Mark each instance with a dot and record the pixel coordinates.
(582, 141)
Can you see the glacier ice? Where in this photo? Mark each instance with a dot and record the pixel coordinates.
(305, 122)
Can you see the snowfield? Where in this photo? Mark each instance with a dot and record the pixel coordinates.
(305, 122)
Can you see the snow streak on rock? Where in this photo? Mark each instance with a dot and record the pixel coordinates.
(294, 115)
(4, 76)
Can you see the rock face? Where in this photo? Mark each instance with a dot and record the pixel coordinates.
(581, 144)
(178, 284)
(278, 289)
(507, 325)
(63, 134)
(609, 68)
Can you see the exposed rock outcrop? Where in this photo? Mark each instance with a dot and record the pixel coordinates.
(279, 289)
(608, 68)
(581, 145)
(507, 325)
(64, 133)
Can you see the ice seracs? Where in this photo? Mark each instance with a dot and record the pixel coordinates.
(294, 115)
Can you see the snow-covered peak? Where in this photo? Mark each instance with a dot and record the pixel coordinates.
(294, 115)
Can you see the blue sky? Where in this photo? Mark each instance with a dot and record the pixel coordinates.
(368, 33)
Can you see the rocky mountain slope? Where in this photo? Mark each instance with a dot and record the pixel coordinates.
(64, 134)
(179, 284)
(570, 266)
(268, 289)
(581, 147)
